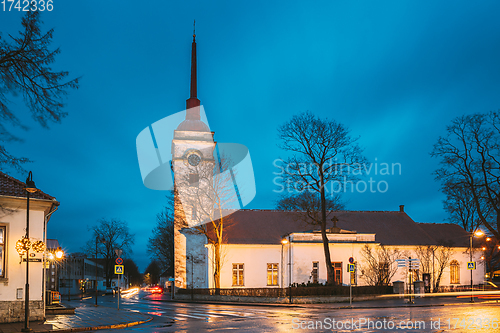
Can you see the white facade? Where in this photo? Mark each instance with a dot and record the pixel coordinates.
(12, 282)
(296, 258)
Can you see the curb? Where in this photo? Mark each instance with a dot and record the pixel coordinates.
(103, 327)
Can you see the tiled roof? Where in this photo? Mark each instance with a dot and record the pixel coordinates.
(9, 186)
(391, 228)
(447, 233)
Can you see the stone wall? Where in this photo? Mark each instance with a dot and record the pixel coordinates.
(282, 300)
(13, 311)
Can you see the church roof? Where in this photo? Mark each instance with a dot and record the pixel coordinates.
(10, 186)
(390, 227)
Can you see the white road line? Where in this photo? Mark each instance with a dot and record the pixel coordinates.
(190, 316)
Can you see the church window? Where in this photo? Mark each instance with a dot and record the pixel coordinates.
(194, 178)
(2, 252)
(272, 274)
(238, 275)
(314, 272)
(454, 272)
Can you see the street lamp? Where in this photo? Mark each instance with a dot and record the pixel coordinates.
(477, 233)
(97, 239)
(23, 246)
(284, 241)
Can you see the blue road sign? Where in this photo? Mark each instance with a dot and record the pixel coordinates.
(471, 265)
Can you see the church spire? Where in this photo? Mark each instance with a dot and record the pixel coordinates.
(193, 100)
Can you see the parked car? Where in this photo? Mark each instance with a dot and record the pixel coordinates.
(109, 290)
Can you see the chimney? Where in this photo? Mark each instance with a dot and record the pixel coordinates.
(402, 208)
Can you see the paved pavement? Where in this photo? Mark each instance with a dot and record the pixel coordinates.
(87, 317)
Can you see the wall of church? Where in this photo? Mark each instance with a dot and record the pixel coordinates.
(256, 257)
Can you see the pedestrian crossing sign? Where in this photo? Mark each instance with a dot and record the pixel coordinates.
(118, 269)
(351, 267)
(471, 265)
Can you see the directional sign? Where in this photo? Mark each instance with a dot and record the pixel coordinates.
(119, 261)
(351, 267)
(119, 269)
(471, 265)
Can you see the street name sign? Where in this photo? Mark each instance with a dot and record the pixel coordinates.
(118, 269)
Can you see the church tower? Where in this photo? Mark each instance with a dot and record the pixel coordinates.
(192, 149)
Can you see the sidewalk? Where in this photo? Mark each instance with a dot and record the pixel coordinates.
(86, 318)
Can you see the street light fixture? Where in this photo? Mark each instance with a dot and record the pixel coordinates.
(477, 233)
(59, 253)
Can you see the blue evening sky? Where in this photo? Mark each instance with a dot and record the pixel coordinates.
(395, 72)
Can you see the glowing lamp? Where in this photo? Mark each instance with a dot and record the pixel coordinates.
(59, 253)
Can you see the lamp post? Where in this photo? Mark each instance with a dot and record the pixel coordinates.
(477, 233)
(97, 239)
(30, 188)
(283, 242)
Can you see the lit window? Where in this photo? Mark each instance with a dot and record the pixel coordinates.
(2, 252)
(272, 274)
(454, 272)
(238, 275)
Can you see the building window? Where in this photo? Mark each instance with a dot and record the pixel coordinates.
(454, 272)
(194, 178)
(238, 275)
(337, 272)
(272, 274)
(315, 272)
(2, 252)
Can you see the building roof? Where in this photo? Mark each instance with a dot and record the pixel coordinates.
(52, 244)
(390, 227)
(9, 186)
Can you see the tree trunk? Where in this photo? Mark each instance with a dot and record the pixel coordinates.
(217, 266)
(326, 248)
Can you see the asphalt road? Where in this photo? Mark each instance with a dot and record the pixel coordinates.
(192, 317)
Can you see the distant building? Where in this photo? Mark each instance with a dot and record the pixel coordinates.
(12, 229)
(77, 275)
(52, 266)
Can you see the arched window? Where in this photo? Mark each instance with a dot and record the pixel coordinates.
(454, 272)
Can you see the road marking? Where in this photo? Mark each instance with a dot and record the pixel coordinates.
(190, 316)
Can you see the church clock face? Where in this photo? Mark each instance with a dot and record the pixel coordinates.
(194, 159)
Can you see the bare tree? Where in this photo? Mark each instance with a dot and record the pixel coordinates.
(425, 255)
(108, 236)
(461, 207)
(471, 167)
(25, 69)
(161, 243)
(323, 152)
(442, 255)
(205, 200)
(378, 265)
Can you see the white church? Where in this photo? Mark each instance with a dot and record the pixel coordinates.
(273, 249)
